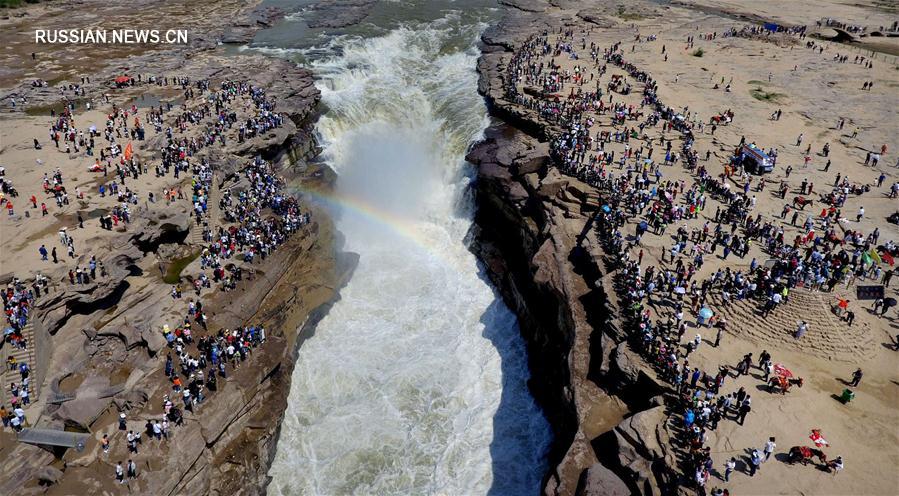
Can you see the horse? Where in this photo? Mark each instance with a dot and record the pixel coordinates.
(802, 201)
(804, 454)
(783, 383)
(721, 120)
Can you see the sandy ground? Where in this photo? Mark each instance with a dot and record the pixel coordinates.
(814, 92)
(26, 168)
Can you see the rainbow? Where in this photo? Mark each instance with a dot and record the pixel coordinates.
(400, 226)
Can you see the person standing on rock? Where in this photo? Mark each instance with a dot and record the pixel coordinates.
(132, 442)
(119, 473)
(132, 469)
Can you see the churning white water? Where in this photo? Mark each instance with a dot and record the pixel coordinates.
(415, 383)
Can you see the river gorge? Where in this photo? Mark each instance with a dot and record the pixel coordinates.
(416, 380)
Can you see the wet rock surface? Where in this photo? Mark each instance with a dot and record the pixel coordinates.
(338, 13)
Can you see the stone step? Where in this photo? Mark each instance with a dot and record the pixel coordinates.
(23, 355)
(195, 237)
(26, 355)
(826, 332)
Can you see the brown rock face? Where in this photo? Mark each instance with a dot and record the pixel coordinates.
(527, 229)
(600, 481)
(533, 233)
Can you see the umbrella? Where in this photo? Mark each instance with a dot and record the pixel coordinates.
(875, 256)
(889, 302)
(644, 225)
(706, 312)
(782, 371)
(122, 79)
(680, 290)
(818, 439)
(606, 209)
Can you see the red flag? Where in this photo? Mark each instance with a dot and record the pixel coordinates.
(886, 257)
(129, 151)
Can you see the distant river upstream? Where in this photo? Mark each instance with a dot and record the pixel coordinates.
(415, 383)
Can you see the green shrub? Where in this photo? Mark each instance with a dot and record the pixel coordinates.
(766, 96)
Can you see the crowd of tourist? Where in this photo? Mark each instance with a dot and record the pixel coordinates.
(243, 227)
(634, 191)
(250, 221)
(18, 299)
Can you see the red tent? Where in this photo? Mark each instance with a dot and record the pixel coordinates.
(122, 79)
